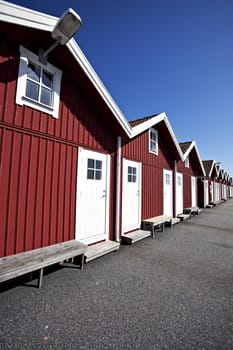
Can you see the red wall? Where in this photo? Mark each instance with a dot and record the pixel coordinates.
(38, 153)
(152, 167)
(187, 174)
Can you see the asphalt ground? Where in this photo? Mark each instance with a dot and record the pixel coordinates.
(171, 292)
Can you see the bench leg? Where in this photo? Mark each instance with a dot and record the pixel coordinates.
(40, 278)
(82, 261)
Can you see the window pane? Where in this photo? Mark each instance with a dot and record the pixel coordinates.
(167, 179)
(33, 72)
(98, 164)
(98, 174)
(90, 163)
(179, 180)
(134, 178)
(90, 174)
(134, 171)
(153, 136)
(46, 96)
(47, 79)
(129, 178)
(32, 90)
(152, 145)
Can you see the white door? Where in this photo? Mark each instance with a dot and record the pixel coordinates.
(206, 192)
(92, 204)
(167, 193)
(216, 192)
(131, 195)
(179, 193)
(211, 191)
(193, 192)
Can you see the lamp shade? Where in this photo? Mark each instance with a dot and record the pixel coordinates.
(66, 26)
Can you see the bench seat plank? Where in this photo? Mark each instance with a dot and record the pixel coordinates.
(22, 263)
(155, 223)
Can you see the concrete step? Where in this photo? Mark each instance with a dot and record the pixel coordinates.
(135, 236)
(97, 250)
(217, 202)
(208, 206)
(183, 217)
(172, 222)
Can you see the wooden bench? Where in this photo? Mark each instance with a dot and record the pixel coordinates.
(156, 223)
(20, 264)
(192, 211)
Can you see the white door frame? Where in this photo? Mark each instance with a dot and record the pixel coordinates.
(193, 191)
(81, 178)
(179, 196)
(125, 164)
(206, 192)
(168, 172)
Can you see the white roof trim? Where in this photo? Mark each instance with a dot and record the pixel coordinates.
(193, 145)
(138, 129)
(211, 169)
(29, 18)
(23, 16)
(92, 75)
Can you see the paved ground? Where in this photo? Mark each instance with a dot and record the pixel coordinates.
(171, 292)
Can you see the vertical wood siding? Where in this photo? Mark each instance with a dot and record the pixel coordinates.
(38, 153)
(152, 168)
(37, 180)
(187, 174)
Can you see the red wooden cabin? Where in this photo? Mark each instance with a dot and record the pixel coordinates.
(58, 148)
(192, 172)
(149, 160)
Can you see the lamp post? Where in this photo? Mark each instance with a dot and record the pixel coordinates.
(65, 28)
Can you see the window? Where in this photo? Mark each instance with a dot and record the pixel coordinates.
(132, 174)
(167, 179)
(179, 180)
(94, 169)
(38, 84)
(186, 162)
(153, 141)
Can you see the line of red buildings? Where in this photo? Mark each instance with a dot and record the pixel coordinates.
(71, 165)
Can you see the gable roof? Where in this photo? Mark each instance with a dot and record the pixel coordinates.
(142, 120)
(208, 166)
(187, 148)
(143, 124)
(22, 16)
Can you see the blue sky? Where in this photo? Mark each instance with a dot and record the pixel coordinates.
(173, 56)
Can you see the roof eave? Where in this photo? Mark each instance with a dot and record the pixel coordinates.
(15, 14)
(140, 128)
(193, 145)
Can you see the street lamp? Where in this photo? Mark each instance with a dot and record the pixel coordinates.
(65, 28)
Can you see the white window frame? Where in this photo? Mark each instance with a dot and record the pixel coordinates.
(154, 132)
(27, 56)
(186, 162)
